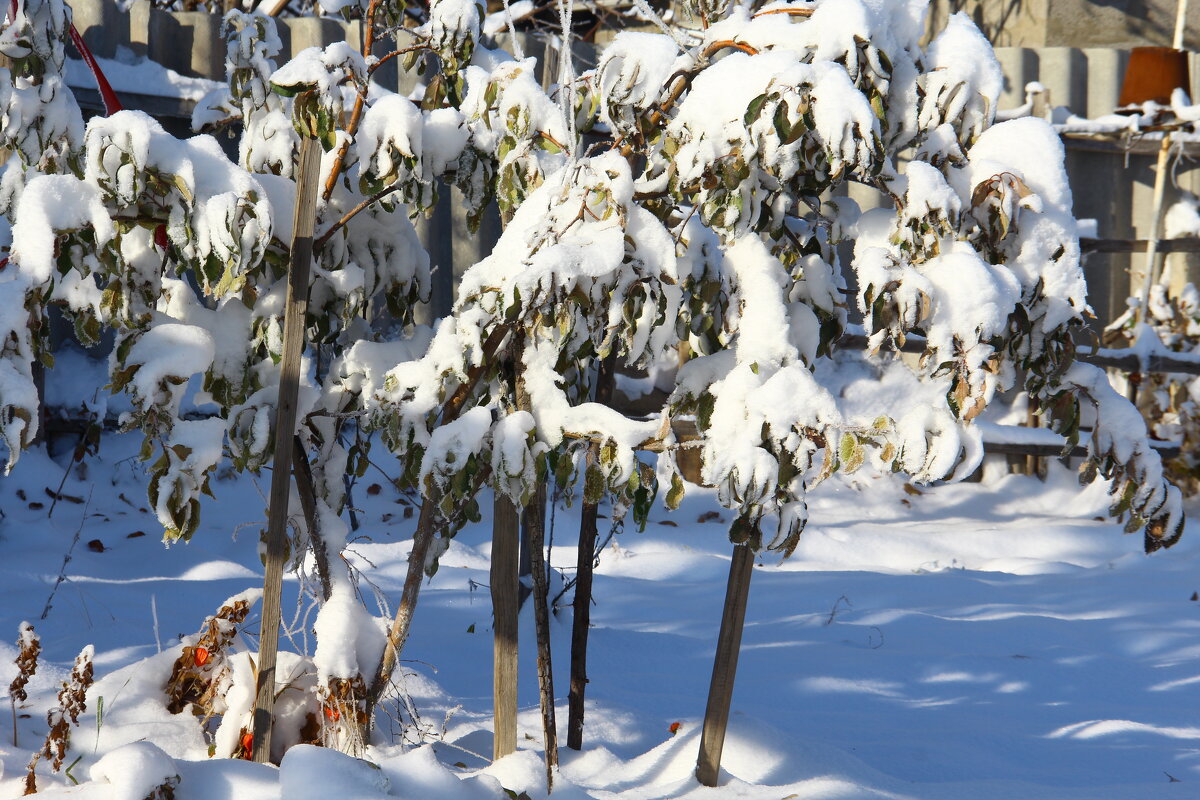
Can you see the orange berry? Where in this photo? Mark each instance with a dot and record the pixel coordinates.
(675, 726)
(200, 656)
(332, 713)
(247, 745)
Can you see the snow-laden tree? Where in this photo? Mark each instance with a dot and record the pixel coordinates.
(712, 215)
(1168, 324)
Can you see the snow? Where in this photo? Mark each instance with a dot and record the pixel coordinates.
(498, 21)
(134, 75)
(991, 640)
(308, 773)
(49, 204)
(135, 771)
(171, 350)
(978, 255)
(963, 81)
(320, 69)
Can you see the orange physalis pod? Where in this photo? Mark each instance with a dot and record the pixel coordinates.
(200, 656)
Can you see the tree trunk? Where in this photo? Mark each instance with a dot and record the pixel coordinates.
(427, 525)
(402, 622)
(302, 471)
(582, 604)
(533, 524)
(308, 176)
(505, 535)
(534, 520)
(729, 643)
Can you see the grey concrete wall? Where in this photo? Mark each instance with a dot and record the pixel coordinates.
(1118, 23)
(1073, 23)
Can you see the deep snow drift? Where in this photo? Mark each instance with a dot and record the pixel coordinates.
(989, 640)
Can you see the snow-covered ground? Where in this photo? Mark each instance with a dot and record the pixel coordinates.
(992, 640)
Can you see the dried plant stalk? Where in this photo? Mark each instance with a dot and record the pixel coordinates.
(72, 701)
(29, 646)
(199, 668)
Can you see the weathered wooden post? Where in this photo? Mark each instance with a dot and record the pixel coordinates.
(505, 608)
(307, 179)
(729, 643)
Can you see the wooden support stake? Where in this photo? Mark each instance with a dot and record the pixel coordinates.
(582, 605)
(505, 543)
(729, 643)
(1141, 313)
(1032, 465)
(308, 177)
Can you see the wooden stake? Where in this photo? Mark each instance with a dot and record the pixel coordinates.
(729, 643)
(582, 605)
(1150, 277)
(1032, 465)
(308, 177)
(505, 543)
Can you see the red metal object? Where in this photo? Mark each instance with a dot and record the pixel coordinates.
(1153, 73)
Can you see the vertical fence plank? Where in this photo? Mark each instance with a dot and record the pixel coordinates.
(1020, 66)
(1101, 184)
(166, 42)
(206, 58)
(1105, 72)
(505, 608)
(1064, 71)
(139, 24)
(306, 32)
(102, 25)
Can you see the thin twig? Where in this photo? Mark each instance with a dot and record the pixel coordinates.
(356, 113)
(394, 54)
(351, 214)
(720, 45)
(791, 12)
(62, 573)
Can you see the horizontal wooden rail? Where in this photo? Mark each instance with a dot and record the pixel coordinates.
(1184, 245)
(1164, 449)
(1125, 360)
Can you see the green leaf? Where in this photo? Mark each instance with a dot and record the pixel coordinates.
(783, 128)
(754, 110)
